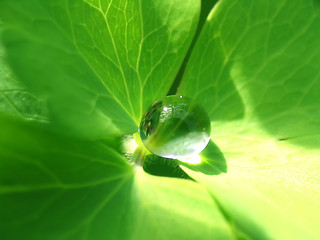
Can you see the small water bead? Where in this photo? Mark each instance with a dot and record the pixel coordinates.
(175, 127)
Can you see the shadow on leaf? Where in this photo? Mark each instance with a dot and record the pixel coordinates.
(212, 161)
(165, 167)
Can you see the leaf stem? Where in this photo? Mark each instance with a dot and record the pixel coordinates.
(139, 155)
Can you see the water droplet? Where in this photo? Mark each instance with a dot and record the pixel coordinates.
(175, 127)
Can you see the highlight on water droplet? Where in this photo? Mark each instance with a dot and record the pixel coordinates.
(195, 159)
(129, 144)
(175, 127)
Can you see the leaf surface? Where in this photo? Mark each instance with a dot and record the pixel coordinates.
(99, 64)
(52, 187)
(256, 70)
(15, 99)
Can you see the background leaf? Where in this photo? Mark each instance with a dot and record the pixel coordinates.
(15, 99)
(52, 187)
(206, 6)
(257, 74)
(98, 64)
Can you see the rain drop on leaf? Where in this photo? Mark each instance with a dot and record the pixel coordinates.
(175, 127)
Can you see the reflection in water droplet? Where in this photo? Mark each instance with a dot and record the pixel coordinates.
(175, 127)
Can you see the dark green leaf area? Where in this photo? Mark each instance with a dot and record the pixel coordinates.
(53, 187)
(45, 178)
(165, 167)
(15, 99)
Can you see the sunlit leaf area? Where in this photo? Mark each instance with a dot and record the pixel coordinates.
(84, 155)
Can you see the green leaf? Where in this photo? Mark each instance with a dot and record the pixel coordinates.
(165, 167)
(15, 99)
(46, 179)
(255, 69)
(98, 64)
(52, 187)
(167, 208)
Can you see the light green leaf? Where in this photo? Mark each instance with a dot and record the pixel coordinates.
(211, 161)
(256, 70)
(168, 208)
(99, 64)
(52, 187)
